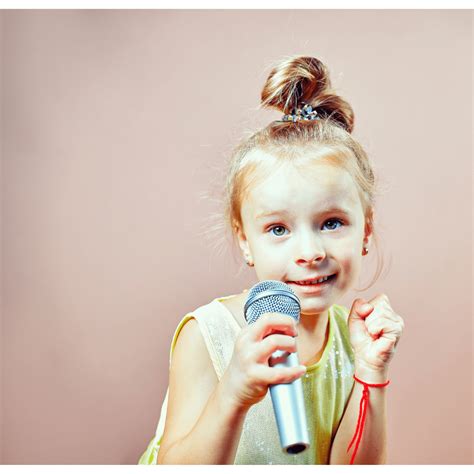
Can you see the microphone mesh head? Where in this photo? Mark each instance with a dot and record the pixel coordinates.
(271, 296)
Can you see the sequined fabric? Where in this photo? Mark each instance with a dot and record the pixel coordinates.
(326, 387)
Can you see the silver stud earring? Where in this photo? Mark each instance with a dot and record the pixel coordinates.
(365, 251)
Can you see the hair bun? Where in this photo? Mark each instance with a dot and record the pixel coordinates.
(298, 79)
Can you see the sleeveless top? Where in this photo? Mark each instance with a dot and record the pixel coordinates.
(327, 386)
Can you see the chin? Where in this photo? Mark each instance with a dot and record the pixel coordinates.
(317, 305)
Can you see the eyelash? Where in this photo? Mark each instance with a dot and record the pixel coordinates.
(328, 220)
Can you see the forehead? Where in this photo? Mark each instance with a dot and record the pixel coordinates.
(289, 186)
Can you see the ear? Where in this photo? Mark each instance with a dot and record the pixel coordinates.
(369, 227)
(242, 239)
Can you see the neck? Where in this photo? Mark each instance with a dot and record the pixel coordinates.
(314, 325)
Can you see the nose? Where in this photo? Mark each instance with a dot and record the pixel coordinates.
(310, 249)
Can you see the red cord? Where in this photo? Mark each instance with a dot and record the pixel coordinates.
(364, 401)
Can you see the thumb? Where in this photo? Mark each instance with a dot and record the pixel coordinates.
(359, 311)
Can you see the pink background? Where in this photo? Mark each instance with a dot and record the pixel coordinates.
(115, 126)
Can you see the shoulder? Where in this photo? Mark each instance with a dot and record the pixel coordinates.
(189, 335)
(198, 330)
(191, 356)
(188, 325)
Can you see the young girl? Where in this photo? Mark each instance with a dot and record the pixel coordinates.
(300, 202)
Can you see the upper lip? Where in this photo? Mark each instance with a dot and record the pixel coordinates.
(317, 277)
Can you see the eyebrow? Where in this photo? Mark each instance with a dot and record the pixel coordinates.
(283, 212)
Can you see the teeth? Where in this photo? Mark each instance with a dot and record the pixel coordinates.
(312, 282)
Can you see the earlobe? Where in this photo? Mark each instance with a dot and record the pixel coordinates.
(246, 251)
(368, 229)
(243, 244)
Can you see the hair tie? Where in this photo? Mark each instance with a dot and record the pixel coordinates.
(298, 113)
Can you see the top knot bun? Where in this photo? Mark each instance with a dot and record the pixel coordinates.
(299, 79)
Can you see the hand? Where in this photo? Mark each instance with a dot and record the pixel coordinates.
(374, 334)
(248, 375)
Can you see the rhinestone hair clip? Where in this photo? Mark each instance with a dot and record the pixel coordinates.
(304, 113)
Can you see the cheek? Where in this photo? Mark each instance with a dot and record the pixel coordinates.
(271, 261)
(349, 262)
(261, 251)
(346, 253)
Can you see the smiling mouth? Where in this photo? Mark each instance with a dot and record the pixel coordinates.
(302, 283)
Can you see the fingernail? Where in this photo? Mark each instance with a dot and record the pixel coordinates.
(366, 307)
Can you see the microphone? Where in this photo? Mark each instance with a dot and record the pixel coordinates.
(273, 296)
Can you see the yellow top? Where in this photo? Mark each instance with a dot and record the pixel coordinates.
(327, 386)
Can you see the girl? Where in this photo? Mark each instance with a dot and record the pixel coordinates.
(300, 202)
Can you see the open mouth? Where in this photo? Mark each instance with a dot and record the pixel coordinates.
(310, 285)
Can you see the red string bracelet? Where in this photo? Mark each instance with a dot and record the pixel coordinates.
(364, 401)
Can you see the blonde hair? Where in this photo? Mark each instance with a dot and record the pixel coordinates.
(291, 82)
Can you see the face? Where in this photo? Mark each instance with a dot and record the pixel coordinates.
(317, 228)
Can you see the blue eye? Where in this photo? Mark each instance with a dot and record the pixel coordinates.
(281, 227)
(334, 220)
(277, 227)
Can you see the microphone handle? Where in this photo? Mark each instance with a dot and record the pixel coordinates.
(288, 404)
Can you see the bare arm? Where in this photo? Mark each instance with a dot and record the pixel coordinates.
(373, 444)
(205, 416)
(214, 439)
(202, 427)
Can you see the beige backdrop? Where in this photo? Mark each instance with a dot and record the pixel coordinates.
(115, 126)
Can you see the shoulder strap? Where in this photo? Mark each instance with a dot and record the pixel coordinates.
(219, 330)
(341, 315)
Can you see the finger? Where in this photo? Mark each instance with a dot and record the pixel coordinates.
(276, 375)
(382, 312)
(356, 320)
(386, 345)
(363, 309)
(384, 305)
(273, 343)
(380, 304)
(382, 326)
(381, 298)
(271, 323)
(358, 313)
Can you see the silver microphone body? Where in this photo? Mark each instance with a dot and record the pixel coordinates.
(288, 405)
(272, 296)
